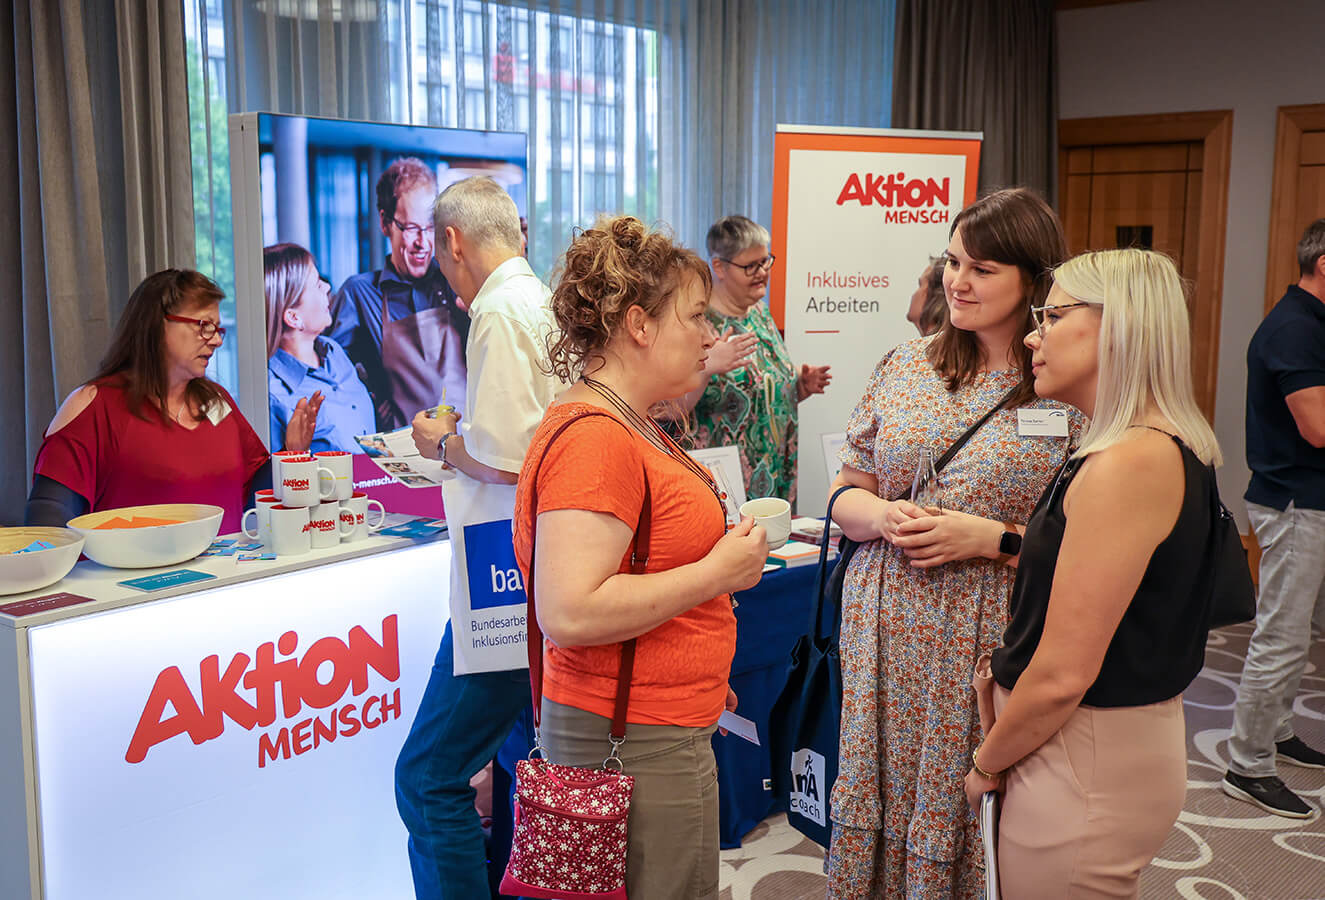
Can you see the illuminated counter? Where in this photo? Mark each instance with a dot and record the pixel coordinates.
(228, 738)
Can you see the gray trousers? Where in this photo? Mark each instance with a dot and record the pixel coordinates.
(1291, 600)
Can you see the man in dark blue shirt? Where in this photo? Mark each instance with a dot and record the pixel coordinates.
(1286, 505)
(401, 325)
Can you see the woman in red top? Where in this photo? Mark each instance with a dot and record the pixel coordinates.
(150, 427)
(631, 306)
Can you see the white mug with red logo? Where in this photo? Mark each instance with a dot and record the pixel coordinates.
(326, 527)
(355, 511)
(304, 482)
(291, 530)
(341, 465)
(262, 512)
(277, 462)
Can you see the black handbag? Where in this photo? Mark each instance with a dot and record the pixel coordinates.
(1233, 598)
(805, 721)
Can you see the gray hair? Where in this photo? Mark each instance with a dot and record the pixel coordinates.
(731, 235)
(1311, 247)
(481, 210)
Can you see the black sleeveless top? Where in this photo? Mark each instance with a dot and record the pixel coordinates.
(1159, 646)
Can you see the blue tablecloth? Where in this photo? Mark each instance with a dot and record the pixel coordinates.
(769, 619)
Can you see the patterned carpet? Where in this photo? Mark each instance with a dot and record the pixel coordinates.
(1220, 849)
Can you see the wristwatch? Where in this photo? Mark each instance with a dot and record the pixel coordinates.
(441, 449)
(1009, 545)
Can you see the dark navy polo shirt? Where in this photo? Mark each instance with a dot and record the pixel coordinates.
(1287, 354)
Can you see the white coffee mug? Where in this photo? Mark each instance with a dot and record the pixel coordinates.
(262, 513)
(355, 511)
(774, 514)
(277, 462)
(304, 482)
(290, 530)
(325, 527)
(341, 465)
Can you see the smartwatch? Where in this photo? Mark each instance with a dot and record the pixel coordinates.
(1009, 545)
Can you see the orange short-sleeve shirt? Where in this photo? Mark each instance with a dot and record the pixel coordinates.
(681, 666)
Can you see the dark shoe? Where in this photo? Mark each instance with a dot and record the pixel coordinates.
(1268, 793)
(1294, 752)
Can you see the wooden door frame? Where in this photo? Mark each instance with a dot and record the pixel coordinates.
(1214, 129)
(1293, 120)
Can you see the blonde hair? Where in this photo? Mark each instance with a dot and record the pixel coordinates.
(285, 271)
(1144, 349)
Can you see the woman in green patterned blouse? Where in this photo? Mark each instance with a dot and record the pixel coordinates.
(750, 399)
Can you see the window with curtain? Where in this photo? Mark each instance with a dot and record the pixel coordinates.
(660, 108)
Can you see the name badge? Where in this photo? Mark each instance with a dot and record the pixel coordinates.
(1042, 422)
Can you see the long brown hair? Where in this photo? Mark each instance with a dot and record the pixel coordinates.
(136, 358)
(285, 270)
(618, 263)
(1014, 227)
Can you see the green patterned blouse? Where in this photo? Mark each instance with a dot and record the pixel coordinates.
(754, 408)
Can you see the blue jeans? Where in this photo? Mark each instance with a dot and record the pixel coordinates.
(462, 722)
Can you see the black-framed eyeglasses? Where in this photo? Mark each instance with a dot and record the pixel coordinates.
(754, 268)
(1043, 323)
(207, 329)
(413, 232)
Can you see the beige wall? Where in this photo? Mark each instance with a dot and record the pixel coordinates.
(1159, 56)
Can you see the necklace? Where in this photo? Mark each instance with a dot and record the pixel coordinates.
(649, 430)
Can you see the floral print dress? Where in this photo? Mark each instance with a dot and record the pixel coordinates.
(910, 637)
(754, 408)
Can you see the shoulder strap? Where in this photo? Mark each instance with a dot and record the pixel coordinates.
(639, 560)
(966, 436)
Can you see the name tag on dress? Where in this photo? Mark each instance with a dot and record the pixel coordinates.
(1042, 422)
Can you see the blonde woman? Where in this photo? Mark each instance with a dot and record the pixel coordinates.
(301, 362)
(1111, 605)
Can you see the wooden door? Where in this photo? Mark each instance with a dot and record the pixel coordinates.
(1298, 196)
(1160, 183)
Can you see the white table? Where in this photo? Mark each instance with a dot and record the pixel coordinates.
(229, 738)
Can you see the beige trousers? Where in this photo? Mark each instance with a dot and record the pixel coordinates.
(672, 833)
(1086, 812)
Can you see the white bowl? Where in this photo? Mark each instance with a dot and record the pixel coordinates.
(22, 572)
(153, 545)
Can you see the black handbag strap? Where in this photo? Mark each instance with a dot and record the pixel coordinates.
(639, 561)
(969, 433)
(953, 450)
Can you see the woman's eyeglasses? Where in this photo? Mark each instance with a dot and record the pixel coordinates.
(1041, 315)
(754, 268)
(207, 329)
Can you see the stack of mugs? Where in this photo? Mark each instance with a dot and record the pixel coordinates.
(312, 505)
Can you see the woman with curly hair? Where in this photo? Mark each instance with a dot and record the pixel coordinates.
(631, 307)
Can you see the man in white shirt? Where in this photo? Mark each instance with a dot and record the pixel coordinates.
(464, 718)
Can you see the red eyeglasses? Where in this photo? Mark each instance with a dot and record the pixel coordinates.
(206, 327)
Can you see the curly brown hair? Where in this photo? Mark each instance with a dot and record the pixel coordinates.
(618, 263)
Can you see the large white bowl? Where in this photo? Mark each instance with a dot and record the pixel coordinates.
(155, 545)
(22, 572)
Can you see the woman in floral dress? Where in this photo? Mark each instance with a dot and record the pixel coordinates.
(750, 398)
(927, 593)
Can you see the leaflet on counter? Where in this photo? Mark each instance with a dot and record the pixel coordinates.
(395, 454)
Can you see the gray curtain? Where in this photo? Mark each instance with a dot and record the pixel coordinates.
(983, 65)
(84, 214)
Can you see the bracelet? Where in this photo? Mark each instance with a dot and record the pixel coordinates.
(975, 764)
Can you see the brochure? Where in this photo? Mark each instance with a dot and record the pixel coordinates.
(395, 454)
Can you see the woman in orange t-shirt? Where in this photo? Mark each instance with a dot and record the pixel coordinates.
(631, 306)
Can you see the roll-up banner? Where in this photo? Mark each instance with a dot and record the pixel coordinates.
(857, 214)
